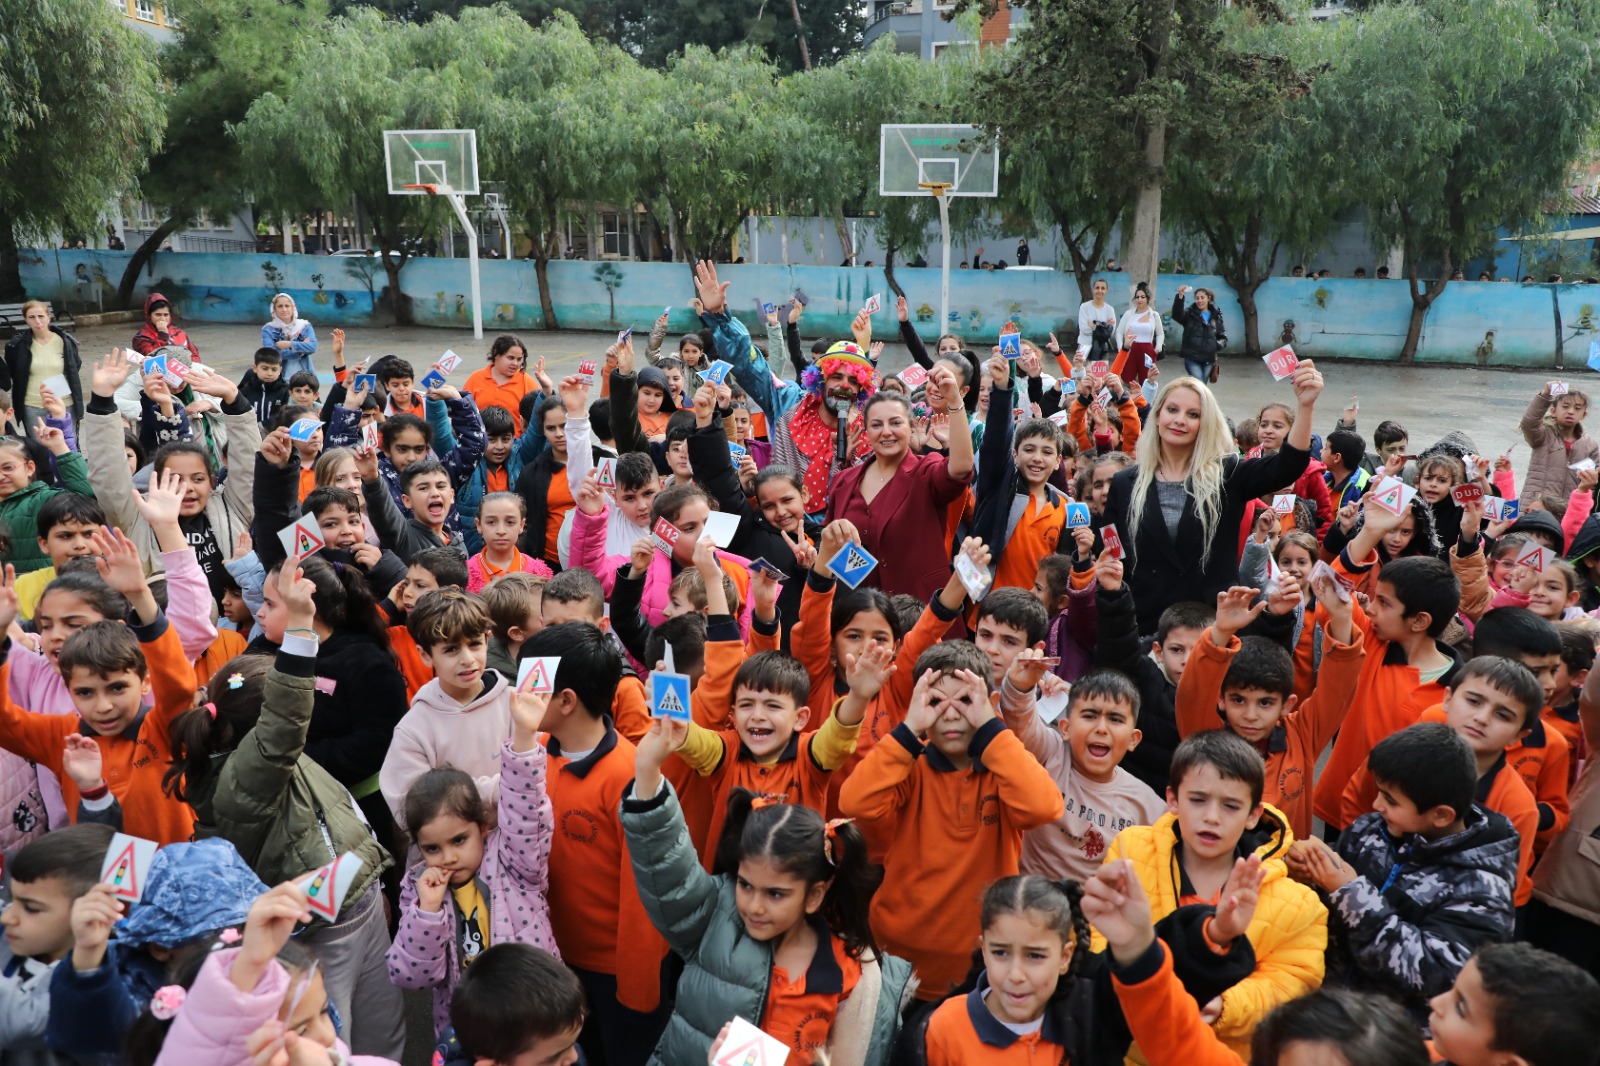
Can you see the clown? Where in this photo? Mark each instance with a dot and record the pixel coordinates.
(836, 386)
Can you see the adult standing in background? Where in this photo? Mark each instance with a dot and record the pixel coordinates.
(33, 358)
(1141, 335)
(1092, 313)
(1023, 252)
(292, 335)
(1203, 333)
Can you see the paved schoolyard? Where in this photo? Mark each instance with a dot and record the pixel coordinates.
(1429, 401)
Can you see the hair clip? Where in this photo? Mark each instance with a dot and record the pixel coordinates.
(830, 839)
(167, 1001)
(767, 799)
(230, 935)
(235, 681)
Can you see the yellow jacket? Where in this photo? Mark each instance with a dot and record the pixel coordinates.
(1289, 932)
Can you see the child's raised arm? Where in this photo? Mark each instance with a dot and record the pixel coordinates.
(527, 822)
(1534, 431)
(188, 593)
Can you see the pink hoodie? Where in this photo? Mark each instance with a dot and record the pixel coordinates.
(588, 553)
(438, 731)
(216, 1020)
(514, 878)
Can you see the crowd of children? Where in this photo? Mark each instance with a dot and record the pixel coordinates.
(1054, 720)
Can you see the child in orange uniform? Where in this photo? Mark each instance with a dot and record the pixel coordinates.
(961, 800)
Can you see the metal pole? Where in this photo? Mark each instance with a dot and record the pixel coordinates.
(460, 205)
(944, 270)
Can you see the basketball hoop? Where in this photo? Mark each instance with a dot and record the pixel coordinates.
(442, 163)
(938, 188)
(428, 187)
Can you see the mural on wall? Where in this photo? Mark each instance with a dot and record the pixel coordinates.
(1471, 323)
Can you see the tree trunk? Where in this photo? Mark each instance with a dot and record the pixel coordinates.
(1243, 276)
(1144, 247)
(1252, 317)
(141, 256)
(547, 308)
(11, 290)
(843, 230)
(1421, 300)
(888, 269)
(800, 35)
(1083, 263)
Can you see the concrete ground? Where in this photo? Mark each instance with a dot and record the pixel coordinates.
(1428, 401)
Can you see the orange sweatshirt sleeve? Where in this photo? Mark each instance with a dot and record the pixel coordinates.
(1200, 688)
(172, 683)
(1550, 791)
(1131, 426)
(1077, 428)
(1330, 701)
(711, 703)
(882, 785)
(630, 711)
(1029, 796)
(38, 737)
(811, 641)
(760, 642)
(1164, 1018)
(895, 697)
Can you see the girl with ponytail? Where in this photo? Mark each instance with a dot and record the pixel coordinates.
(777, 934)
(240, 760)
(360, 692)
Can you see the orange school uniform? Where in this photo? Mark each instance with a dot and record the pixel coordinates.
(416, 672)
(800, 1010)
(1544, 763)
(599, 921)
(963, 1031)
(1035, 535)
(1293, 747)
(1501, 789)
(134, 760)
(487, 392)
(956, 831)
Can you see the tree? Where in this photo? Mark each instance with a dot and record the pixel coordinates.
(608, 275)
(227, 54)
(1274, 187)
(80, 110)
(321, 141)
(794, 34)
(1130, 76)
(1499, 99)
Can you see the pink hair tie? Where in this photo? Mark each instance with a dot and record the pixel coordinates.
(167, 1001)
(211, 709)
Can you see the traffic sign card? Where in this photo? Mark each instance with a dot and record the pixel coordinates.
(1393, 495)
(126, 865)
(448, 361)
(766, 568)
(717, 372)
(1500, 510)
(304, 429)
(975, 580)
(607, 468)
(1536, 556)
(302, 538)
(537, 676)
(1111, 540)
(874, 304)
(370, 437)
(852, 564)
(1465, 494)
(1283, 503)
(1011, 345)
(369, 382)
(433, 379)
(327, 888)
(748, 1046)
(1282, 362)
(913, 375)
(669, 695)
(1077, 515)
(665, 534)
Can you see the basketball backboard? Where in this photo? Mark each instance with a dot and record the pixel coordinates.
(446, 159)
(911, 156)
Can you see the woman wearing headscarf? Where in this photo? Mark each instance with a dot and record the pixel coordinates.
(292, 335)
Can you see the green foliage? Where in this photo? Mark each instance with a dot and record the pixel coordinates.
(80, 111)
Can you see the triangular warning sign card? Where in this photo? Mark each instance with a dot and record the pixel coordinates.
(1535, 556)
(538, 675)
(302, 538)
(852, 564)
(748, 1046)
(1393, 495)
(126, 866)
(328, 887)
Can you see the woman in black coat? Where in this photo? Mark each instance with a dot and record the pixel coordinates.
(17, 373)
(1178, 512)
(1203, 334)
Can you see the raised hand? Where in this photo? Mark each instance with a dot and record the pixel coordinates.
(81, 758)
(338, 345)
(575, 395)
(355, 396)
(218, 385)
(1236, 905)
(835, 535)
(1236, 608)
(804, 552)
(1028, 668)
(639, 557)
(9, 607)
(763, 595)
(705, 561)
(875, 352)
(1115, 903)
(527, 715)
(298, 593)
(433, 885)
(52, 404)
(868, 672)
(861, 329)
(920, 712)
(901, 311)
(625, 361)
(51, 437)
(277, 447)
(942, 380)
(541, 377)
(705, 404)
(1054, 346)
(93, 915)
(1108, 571)
(1283, 597)
(164, 502)
(712, 293)
(666, 736)
(1307, 384)
(118, 562)
(267, 927)
(796, 308)
(999, 368)
(366, 462)
(591, 499)
(110, 372)
(242, 546)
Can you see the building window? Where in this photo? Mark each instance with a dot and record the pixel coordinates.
(954, 49)
(144, 10)
(614, 234)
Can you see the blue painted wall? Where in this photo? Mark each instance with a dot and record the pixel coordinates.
(1473, 323)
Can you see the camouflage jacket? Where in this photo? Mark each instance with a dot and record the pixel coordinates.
(1420, 908)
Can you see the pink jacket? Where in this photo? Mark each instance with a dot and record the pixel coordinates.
(588, 553)
(216, 1019)
(438, 731)
(515, 878)
(36, 685)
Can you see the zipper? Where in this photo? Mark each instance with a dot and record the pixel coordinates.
(327, 837)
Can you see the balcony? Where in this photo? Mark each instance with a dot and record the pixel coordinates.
(903, 18)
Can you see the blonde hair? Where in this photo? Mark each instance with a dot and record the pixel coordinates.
(328, 463)
(31, 304)
(1204, 481)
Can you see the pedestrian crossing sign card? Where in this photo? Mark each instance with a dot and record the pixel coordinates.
(736, 452)
(669, 695)
(717, 372)
(1011, 345)
(327, 888)
(665, 534)
(608, 472)
(1393, 495)
(762, 566)
(432, 380)
(913, 375)
(1499, 510)
(852, 564)
(768, 308)
(447, 362)
(156, 364)
(1077, 515)
(302, 538)
(304, 429)
(748, 1046)
(537, 676)
(366, 382)
(1069, 386)
(126, 865)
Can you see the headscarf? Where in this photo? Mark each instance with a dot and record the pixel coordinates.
(295, 327)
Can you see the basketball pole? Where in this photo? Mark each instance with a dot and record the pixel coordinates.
(460, 204)
(938, 189)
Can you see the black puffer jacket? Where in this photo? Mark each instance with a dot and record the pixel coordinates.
(1202, 340)
(17, 368)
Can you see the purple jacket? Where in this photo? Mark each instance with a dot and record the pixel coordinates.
(1071, 635)
(515, 878)
(216, 1019)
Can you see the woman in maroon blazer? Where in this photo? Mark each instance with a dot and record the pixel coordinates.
(900, 502)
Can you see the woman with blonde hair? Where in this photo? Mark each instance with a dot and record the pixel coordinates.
(1178, 511)
(35, 357)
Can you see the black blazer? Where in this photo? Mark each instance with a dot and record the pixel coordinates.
(1161, 570)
